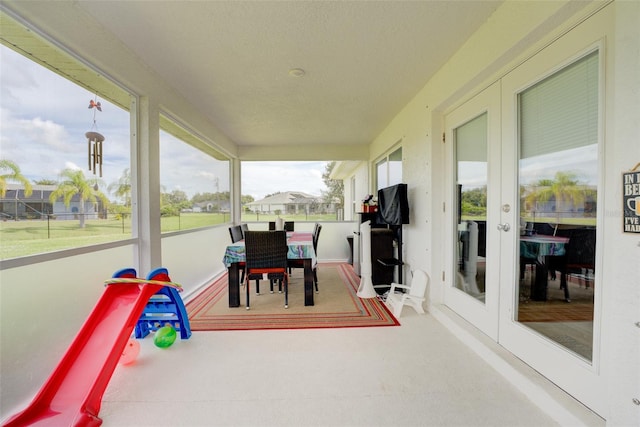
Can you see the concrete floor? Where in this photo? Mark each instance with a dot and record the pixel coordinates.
(418, 374)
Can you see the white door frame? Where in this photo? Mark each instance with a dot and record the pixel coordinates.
(483, 315)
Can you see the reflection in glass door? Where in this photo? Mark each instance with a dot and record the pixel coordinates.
(558, 176)
(470, 141)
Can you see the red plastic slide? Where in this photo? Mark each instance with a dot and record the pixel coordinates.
(73, 393)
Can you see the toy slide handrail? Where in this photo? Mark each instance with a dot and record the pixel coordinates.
(150, 282)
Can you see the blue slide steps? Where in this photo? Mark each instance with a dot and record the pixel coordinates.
(164, 307)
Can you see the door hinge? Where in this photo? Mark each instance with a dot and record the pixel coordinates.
(443, 137)
(444, 207)
(443, 276)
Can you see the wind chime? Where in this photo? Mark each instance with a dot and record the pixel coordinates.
(95, 140)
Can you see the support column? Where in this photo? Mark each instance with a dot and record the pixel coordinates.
(236, 191)
(145, 178)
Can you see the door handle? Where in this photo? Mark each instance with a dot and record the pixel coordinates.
(504, 227)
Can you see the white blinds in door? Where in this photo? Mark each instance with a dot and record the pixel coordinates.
(561, 110)
(471, 140)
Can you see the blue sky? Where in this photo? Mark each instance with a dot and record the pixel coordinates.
(43, 119)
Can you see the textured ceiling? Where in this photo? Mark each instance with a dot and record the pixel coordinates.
(363, 60)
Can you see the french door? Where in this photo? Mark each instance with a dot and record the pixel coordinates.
(549, 277)
(524, 186)
(474, 193)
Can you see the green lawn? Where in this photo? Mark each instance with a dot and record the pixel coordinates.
(30, 237)
(21, 238)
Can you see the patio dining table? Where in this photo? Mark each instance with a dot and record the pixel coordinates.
(300, 246)
(539, 247)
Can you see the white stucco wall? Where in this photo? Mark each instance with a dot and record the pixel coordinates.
(621, 302)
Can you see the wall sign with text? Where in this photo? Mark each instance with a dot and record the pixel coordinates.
(631, 200)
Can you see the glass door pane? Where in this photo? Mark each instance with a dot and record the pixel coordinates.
(558, 176)
(471, 199)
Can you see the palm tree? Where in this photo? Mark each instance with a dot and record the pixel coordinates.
(564, 188)
(10, 172)
(122, 187)
(75, 183)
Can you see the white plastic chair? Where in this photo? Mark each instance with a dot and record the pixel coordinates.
(413, 296)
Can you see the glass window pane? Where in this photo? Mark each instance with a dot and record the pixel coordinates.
(195, 186)
(51, 200)
(389, 170)
(381, 174)
(299, 191)
(395, 167)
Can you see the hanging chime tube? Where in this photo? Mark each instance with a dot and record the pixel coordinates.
(94, 147)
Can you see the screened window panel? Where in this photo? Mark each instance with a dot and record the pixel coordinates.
(561, 111)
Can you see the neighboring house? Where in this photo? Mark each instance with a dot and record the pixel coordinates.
(15, 205)
(290, 202)
(212, 206)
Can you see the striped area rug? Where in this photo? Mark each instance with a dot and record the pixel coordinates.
(555, 311)
(336, 305)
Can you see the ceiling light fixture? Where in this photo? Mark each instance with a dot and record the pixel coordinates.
(297, 72)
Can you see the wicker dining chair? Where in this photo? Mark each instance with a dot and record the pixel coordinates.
(288, 225)
(298, 263)
(236, 234)
(266, 253)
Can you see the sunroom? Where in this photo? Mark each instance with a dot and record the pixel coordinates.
(476, 106)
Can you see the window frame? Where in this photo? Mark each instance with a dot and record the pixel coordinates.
(384, 162)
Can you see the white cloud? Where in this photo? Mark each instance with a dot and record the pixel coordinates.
(72, 166)
(581, 161)
(43, 119)
(262, 178)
